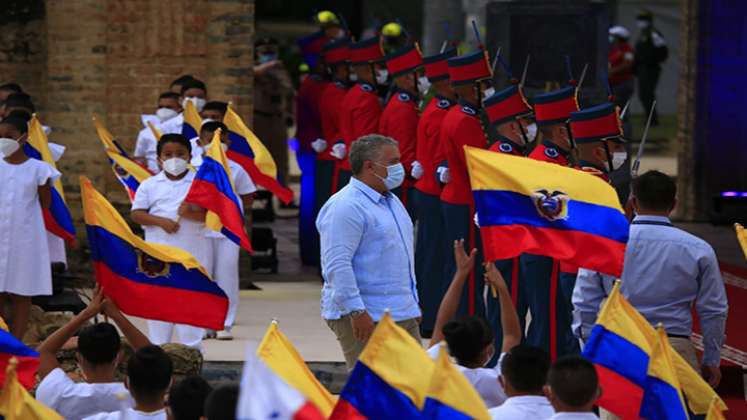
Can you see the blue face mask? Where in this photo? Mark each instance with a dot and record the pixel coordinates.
(266, 58)
(395, 175)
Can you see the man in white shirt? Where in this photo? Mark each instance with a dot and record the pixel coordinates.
(523, 375)
(572, 387)
(99, 353)
(148, 378)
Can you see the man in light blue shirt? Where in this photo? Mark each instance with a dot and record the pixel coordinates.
(367, 254)
(666, 270)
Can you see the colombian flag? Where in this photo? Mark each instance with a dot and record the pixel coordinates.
(450, 395)
(144, 279)
(639, 372)
(213, 189)
(129, 173)
(57, 217)
(28, 359)
(249, 152)
(391, 378)
(192, 122)
(535, 207)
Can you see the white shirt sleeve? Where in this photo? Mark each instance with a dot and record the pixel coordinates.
(52, 387)
(242, 181)
(142, 198)
(56, 150)
(46, 173)
(145, 144)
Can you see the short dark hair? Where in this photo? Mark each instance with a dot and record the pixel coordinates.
(655, 191)
(18, 123)
(11, 87)
(187, 398)
(20, 100)
(19, 113)
(173, 138)
(99, 343)
(221, 403)
(573, 380)
(219, 106)
(149, 372)
(525, 368)
(193, 84)
(211, 126)
(181, 80)
(467, 337)
(169, 95)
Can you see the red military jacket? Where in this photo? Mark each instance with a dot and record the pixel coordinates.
(360, 115)
(308, 120)
(619, 54)
(399, 120)
(461, 127)
(428, 150)
(330, 107)
(504, 145)
(549, 152)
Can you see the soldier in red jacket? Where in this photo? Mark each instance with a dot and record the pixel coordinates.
(462, 127)
(598, 135)
(361, 105)
(431, 248)
(399, 119)
(552, 111)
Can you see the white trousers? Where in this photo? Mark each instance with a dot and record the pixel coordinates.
(225, 272)
(160, 332)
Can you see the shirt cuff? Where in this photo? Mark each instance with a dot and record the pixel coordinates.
(353, 303)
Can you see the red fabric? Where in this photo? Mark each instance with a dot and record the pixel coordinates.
(308, 118)
(362, 111)
(399, 120)
(26, 368)
(458, 130)
(539, 154)
(337, 55)
(308, 411)
(330, 108)
(428, 145)
(54, 228)
(404, 63)
(345, 411)
(477, 70)
(554, 279)
(616, 57)
(555, 111)
(619, 395)
(602, 127)
(284, 194)
(207, 195)
(508, 108)
(437, 69)
(362, 55)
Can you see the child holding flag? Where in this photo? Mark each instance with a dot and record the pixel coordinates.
(24, 252)
(158, 206)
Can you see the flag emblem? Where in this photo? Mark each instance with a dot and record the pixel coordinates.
(552, 206)
(150, 266)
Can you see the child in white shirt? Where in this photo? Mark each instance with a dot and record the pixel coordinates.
(523, 376)
(145, 146)
(572, 387)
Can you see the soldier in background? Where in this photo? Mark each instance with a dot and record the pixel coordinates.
(650, 52)
(620, 61)
(273, 103)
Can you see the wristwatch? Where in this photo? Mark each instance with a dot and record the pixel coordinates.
(356, 314)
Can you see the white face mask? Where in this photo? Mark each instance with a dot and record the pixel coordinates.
(199, 103)
(381, 76)
(353, 76)
(423, 85)
(618, 159)
(165, 114)
(531, 132)
(395, 175)
(8, 146)
(488, 93)
(175, 166)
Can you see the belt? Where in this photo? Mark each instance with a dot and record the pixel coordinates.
(686, 337)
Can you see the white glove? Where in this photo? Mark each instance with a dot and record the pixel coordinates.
(319, 145)
(338, 151)
(443, 174)
(417, 170)
(477, 221)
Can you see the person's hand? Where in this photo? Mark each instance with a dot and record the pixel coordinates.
(94, 306)
(712, 375)
(443, 174)
(319, 145)
(168, 225)
(494, 278)
(339, 150)
(110, 309)
(464, 263)
(417, 170)
(363, 326)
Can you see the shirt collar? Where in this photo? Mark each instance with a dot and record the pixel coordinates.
(528, 399)
(646, 218)
(371, 193)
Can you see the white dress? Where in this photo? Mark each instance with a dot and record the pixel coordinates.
(56, 244)
(24, 252)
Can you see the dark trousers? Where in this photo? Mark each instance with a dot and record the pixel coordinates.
(511, 270)
(620, 178)
(343, 177)
(431, 251)
(308, 237)
(407, 195)
(648, 79)
(322, 190)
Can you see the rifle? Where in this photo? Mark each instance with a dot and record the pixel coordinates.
(637, 163)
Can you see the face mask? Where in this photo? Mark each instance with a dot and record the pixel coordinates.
(531, 132)
(618, 158)
(488, 93)
(164, 114)
(353, 77)
(8, 146)
(395, 174)
(266, 58)
(381, 76)
(175, 166)
(207, 120)
(423, 85)
(199, 103)
(642, 24)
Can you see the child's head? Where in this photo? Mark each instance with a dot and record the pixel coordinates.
(20, 101)
(208, 129)
(524, 371)
(572, 384)
(222, 402)
(214, 110)
(176, 85)
(13, 132)
(148, 375)
(99, 348)
(470, 341)
(187, 398)
(169, 100)
(173, 145)
(194, 88)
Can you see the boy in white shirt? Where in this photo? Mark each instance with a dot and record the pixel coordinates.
(145, 147)
(99, 353)
(572, 387)
(523, 375)
(148, 379)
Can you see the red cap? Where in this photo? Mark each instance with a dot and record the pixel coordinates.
(506, 105)
(404, 61)
(597, 123)
(469, 68)
(337, 51)
(437, 66)
(555, 107)
(366, 51)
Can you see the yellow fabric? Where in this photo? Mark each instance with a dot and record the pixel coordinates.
(38, 140)
(715, 411)
(498, 171)
(97, 211)
(741, 237)
(399, 360)
(155, 131)
(17, 404)
(262, 157)
(661, 366)
(3, 325)
(283, 359)
(112, 151)
(452, 389)
(192, 117)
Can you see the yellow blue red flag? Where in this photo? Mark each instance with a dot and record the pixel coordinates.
(451, 395)
(140, 276)
(57, 218)
(192, 121)
(527, 206)
(662, 397)
(17, 404)
(129, 173)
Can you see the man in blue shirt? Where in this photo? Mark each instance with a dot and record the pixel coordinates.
(666, 271)
(367, 249)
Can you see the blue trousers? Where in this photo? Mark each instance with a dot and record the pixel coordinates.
(408, 199)
(507, 268)
(431, 251)
(308, 237)
(322, 190)
(342, 179)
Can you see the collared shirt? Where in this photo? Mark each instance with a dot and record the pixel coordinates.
(484, 380)
(367, 254)
(666, 270)
(574, 416)
(525, 407)
(79, 400)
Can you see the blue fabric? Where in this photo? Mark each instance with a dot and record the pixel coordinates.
(661, 401)
(458, 223)
(536, 271)
(431, 251)
(307, 242)
(435, 409)
(376, 399)
(367, 255)
(605, 347)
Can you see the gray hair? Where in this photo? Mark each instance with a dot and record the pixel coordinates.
(368, 148)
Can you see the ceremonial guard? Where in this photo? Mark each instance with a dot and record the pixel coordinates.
(361, 104)
(431, 247)
(599, 139)
(462, 127)
(399, 119)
